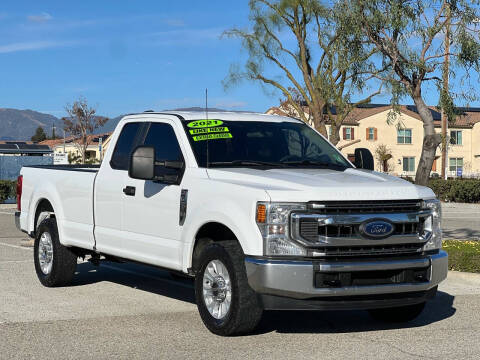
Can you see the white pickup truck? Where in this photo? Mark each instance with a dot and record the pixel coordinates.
(262, 211)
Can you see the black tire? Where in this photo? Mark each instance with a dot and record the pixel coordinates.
(245, 310)
(64, 261)
(398, 314)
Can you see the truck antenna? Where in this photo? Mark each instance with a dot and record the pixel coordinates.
(206, 118)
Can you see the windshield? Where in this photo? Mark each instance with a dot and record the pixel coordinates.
(261, 144)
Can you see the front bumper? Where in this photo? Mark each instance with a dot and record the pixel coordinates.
(288, 284)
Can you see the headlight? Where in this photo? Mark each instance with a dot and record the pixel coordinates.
(272, 220)
(433, 224)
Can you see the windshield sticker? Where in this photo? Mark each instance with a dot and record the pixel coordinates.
(204, 123)
(215, 136)
(209, 130)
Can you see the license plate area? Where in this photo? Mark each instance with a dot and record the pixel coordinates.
(371, 278)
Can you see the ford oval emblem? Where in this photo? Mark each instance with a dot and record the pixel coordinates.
(377, 229)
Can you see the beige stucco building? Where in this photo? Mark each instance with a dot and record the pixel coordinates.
(369, 127)
(71, 146)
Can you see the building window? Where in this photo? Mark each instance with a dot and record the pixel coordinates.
(456, 164)
(371, 133)
(456, 137)
(348, 133)
(404, 136)
(409, 164)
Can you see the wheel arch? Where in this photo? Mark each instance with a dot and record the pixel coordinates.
(209, 232)
(43, 210)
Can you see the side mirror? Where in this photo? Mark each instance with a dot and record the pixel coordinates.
(364, 159)
(142, 163)
(142, 166)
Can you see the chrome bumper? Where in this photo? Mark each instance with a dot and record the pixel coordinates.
(296, 279)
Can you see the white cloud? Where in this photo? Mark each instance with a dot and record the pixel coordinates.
(231, 104)
(175, 22)
(33, 45)
(40, 18)
(184, 36)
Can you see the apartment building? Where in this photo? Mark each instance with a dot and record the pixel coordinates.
(397, 145)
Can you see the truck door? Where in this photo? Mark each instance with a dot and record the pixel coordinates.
(109, 191)
(151, 210)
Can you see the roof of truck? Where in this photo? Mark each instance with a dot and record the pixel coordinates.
(224, 115)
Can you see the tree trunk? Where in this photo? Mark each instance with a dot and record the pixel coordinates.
(431, 140)
(335, 138)
(319, 120)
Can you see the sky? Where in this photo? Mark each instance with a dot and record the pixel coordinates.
(125, 56)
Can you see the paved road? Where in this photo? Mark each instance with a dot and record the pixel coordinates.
(130, 311)
(461, 221)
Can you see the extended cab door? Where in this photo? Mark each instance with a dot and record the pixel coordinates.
(109, 191)
(151, 213)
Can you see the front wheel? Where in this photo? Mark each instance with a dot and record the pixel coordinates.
(55, 264)
(227, 304)
(398, 314)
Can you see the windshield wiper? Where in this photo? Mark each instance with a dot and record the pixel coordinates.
(315, 163)
(245, 163)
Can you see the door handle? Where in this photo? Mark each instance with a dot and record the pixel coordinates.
(129, 191)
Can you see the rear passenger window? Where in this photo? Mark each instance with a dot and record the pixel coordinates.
(128, 140)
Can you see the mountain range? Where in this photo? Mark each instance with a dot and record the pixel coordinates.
(21, 124)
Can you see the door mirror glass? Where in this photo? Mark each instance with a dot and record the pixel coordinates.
(142, 163)
(364, 159)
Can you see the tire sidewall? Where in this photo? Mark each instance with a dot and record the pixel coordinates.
(216, 252)
(50, 226)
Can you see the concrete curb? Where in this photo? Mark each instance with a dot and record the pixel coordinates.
(461, 283)
(8, 206)
(448, 205)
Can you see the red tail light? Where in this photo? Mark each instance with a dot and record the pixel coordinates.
(19, 192)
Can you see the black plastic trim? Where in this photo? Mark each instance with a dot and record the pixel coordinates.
(359, 302)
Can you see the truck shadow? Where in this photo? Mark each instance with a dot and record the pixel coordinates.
(156, 281)
(437, 309)
(139, 277)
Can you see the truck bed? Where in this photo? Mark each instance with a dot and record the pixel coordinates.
(70, 195)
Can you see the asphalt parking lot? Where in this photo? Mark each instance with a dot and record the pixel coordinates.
(132, 311)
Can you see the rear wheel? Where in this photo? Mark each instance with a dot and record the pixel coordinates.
(55, 264)
(227, 304)
(398, 314)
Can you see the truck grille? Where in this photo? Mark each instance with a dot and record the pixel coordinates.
(332, 228)
(356, 251)
(310, 230)
(364, 207)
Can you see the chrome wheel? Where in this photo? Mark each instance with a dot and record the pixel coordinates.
(45, 253)
(217, 289)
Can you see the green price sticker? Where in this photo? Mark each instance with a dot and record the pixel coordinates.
(209, 130)
(212, 136)
(204, 123)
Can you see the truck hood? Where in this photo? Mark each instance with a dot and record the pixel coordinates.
(301, 185)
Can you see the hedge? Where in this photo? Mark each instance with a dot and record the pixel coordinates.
(7, 189)
(458, 190)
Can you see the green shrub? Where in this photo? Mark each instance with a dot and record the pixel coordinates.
(463, 255)
(7, 189)
(459, 190)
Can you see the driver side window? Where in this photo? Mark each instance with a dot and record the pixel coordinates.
(163, 138)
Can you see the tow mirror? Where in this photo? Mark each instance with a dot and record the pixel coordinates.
(364, 159)
(142, 166)
(142, 163)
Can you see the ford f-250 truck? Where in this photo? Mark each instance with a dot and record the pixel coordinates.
(261, 210)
